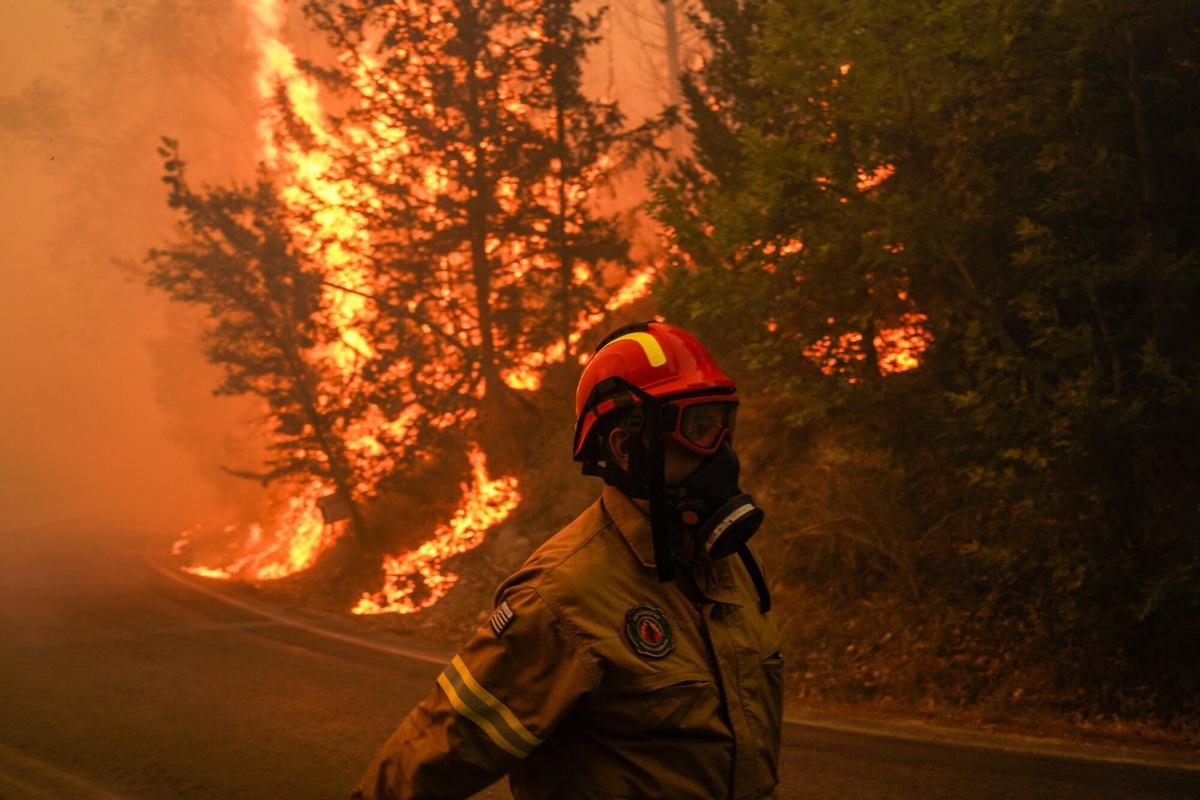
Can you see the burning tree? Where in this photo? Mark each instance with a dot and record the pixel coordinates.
(236, 257)
(444, 224)
(470, 158)
(483, 158)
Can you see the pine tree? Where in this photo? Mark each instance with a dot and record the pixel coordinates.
(235, 257)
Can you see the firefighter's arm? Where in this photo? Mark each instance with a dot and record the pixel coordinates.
(493, 704)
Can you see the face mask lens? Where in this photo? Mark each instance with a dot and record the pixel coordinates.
(703, 423)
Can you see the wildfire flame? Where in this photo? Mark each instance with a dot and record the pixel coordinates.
(299, 534)
(898, 348)
(335, 237)
(869, 180)
(297, 539)
(525, 376)
(417, 579)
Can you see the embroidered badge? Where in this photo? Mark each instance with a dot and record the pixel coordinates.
(501, 617)
(648, 632)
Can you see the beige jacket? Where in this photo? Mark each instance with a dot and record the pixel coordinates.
(593, 680)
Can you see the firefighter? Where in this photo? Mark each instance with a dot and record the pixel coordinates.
(634, 654)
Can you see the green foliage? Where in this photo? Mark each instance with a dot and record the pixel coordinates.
(1041, 216)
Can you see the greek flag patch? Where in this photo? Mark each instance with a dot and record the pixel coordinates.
(501, 617)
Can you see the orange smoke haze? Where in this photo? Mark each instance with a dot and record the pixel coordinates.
(108, 416)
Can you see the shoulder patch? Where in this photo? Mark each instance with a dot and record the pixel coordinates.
(648, 632)
(501, 618)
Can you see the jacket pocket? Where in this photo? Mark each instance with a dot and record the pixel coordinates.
(675, 701)
(766, 715)
(684, 706)
(685, 687)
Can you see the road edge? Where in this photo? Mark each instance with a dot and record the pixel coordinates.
(291, 620)
(917, 732)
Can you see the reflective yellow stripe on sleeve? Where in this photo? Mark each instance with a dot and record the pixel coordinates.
(481, 707)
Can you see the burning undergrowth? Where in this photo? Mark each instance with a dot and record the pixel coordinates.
(428, 509)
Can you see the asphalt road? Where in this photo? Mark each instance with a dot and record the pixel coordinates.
(118, 683)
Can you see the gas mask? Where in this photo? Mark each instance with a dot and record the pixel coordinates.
(709, 503)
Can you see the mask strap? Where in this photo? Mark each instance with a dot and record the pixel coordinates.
(757, 578)
(659, 510)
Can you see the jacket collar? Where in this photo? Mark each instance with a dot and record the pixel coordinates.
(630, 521)
(714, 578)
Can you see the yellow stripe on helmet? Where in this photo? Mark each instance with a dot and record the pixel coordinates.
(650, 345)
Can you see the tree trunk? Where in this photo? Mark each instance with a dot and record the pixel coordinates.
(566, 259)
(670, 15)
(340, 470)
(1147, 190)
(283, 325)
(477, 207)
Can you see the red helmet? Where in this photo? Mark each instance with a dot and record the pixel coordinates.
(656, 360)
(663, 374)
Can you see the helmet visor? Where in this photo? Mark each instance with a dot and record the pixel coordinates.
(703, 423)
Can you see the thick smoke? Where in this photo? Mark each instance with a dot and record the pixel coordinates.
(108, 417)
